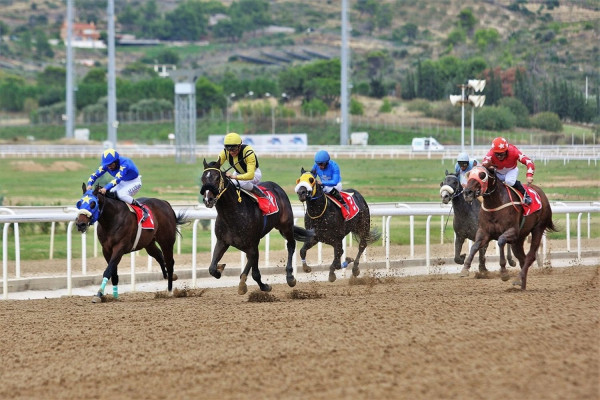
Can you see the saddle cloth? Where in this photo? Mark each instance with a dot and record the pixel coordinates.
(352, 207)
(536, 202)
(267, 205)
(149, 222)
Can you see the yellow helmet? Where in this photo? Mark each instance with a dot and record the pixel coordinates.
(232, 139)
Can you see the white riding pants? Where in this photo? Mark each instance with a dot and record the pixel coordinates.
(510, 177)
(125, 190)
(328, 189)
(248, 185)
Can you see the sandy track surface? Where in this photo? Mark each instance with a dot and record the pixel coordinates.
(427, 337)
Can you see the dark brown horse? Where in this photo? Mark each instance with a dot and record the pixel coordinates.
(118, 233)
(330, 226)
(241, 224)
(501, 218)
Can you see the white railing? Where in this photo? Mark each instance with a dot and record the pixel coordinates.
(195, 214)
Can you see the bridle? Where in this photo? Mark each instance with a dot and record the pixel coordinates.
(221, 188)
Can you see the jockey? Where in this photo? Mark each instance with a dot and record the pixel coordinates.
(127, 182)
(329, 173)
(463, 165)
(504, 157)
(244, 161)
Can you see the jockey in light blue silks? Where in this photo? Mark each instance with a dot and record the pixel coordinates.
(462, 166)
(329, 174)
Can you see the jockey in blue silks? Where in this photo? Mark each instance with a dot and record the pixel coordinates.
(329, 174)
(127, 179)
(463, 165)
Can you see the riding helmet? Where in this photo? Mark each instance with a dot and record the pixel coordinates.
(232, 139)
(499, 145)
(462, 157)
(109, 156)
(321, 157)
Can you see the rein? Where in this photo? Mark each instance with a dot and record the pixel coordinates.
(222, 188)
(322, 212)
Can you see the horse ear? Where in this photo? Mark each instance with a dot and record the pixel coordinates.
(302, 170)
(446, 172)
(83, 187)
(205, 164)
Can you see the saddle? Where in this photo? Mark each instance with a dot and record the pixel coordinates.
(267, 205)
(536, 203)
(352, 207)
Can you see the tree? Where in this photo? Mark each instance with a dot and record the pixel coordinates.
(466, 20)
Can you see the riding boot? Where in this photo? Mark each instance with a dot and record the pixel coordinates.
(338, 196)
(519, 186)
(144, 209)
(258, 192)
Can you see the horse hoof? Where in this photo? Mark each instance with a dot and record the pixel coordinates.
(306, 268)
(464, 272)
(482, 269)
(505, 276)
(266, 288)
(96, 299)
(355, 271)
(332, 277)
(291, 281)
(242, 288)
(512, 263)
(175, 277)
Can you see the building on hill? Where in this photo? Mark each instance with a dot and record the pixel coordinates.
(85, 36)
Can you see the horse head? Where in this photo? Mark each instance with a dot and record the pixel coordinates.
(306, 185)
(450, 187)
(89, 208)
(478, 182)
(213, 183)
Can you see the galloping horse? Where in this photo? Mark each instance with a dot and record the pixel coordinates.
(466, 219)
(330, 227)
(504, 218)
(119, 233)
(241, 224)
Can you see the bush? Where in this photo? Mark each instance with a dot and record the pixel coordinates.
(419, 105)
(386, 107)
(356, 107)
(496, 118)
(518, 109)
(547, 121)
(315, 107)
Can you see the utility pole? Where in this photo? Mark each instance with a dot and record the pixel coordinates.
(70, 95)
(344, 126)
(112, 122)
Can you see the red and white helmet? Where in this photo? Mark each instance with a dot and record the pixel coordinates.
(499, 145)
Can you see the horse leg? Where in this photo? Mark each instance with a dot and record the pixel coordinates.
(220, 249)
(536, 238)
(252, 263)
(335, 264)
(458, 243)
(111, 269)
(507, 237)
(303, 250)
(481, 240)
(509, 256)
(482, 252)
(289, 268)
(168, 263)
(115, 284)
(361, 248)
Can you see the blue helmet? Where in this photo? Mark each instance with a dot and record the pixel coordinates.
(109, 156)
(321, 157)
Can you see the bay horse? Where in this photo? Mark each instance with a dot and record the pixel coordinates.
(329, 225)
(118, 233)
(502, 218)
(465, 221)
(241, 224)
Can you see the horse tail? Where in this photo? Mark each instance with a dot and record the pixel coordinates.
(550, 227)
(373, 236)
(181, 219)
(303, 235)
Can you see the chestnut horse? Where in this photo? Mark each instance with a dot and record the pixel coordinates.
(118, 233)
(501, 218)
(465, 221)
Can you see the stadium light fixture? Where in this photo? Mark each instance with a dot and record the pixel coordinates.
(473, 85)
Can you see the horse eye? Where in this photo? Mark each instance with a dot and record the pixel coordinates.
(93, 205)
(481, 175)
(311, 180)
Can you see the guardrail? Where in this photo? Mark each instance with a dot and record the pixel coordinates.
(194, 214)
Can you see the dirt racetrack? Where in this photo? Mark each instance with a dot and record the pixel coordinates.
(427, 337)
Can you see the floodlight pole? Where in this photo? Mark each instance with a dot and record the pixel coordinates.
(70, 112)
(112, 90)
(344, 126)
(462, 118)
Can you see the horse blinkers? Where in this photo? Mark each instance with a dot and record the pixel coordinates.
(210, 188)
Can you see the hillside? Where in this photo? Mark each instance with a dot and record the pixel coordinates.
(559, 42)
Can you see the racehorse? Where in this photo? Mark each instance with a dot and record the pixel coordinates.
(119, 233)
(330, 226)
(466, 219)
(241, 224)
(503, 217)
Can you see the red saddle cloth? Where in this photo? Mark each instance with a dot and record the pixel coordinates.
(352, 207)
(267, 205)
(149, 222)
(536, 202)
